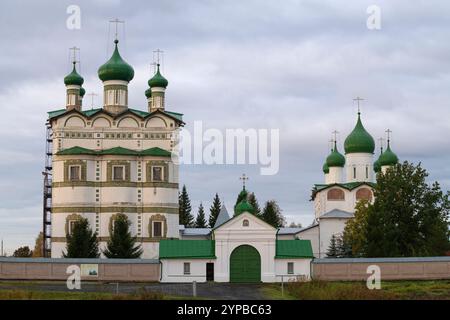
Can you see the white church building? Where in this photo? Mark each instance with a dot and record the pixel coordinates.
(118, 160)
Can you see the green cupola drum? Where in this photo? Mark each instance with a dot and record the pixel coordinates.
(359, 147)
(73, 82)
(335, 163)
(158, 85)
(387, 158)
(359, 140)
(116, 73)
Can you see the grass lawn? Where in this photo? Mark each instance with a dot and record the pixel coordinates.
(390, 290)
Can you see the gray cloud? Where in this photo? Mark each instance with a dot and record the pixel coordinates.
(294, 65)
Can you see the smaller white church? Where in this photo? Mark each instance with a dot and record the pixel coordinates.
(242, 249)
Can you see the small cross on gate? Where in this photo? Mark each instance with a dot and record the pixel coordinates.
(244, 178)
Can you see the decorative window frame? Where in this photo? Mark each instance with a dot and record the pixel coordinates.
(157, 218)
(245, 223)
(149, 170)
(123, 173)
(69, 218)
(186, 268)
(109, 173)
(83, 170)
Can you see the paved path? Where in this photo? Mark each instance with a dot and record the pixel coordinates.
(225, 291)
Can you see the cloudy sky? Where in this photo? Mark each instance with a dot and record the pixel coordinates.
(288, 65)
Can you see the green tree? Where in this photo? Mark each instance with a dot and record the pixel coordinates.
(200, 222)
(214, 211)
(295, 225)
(332, 251)
(39, 246)
(354, 235)
(254, 202)
(408, 217)
(23, 252)
(186, 218)
(272, 214)
(82, 242)
(121, 244)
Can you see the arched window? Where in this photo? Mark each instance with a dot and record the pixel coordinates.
(335, 194)
(245, 223)
(364, 194)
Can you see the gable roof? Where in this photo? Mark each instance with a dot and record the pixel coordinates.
(192, 249)
(240, 215)
(336, 213)
(222, 217)
(195, 231)
(178, 117)
(290, 249)
(348, 186)
(156, 152)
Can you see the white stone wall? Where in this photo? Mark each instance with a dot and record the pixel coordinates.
(302, 269)
(327, 228)
(335, 175)
(258, 235)
(311, 234)
(360, 161)
(172, 270)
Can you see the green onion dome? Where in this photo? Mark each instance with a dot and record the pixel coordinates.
(73, 78)
(158, 80)
(359, 140)
(82, 92)
(388, 158)
(244, 206)
(335, 158)
(116, 68)
(376, 166)
(325, 168)
(148, 93)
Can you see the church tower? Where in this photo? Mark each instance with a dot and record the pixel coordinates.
(115, 74)
(359, 147)
(387, 158)
(113, 160)
(335, 163)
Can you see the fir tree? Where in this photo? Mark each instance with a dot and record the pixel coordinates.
(332, 251)
(272, 214)
(214, 211)
(186, 218)
(254, 202)
(39, 246)
(121, 244)
(200, 222)
(23, 252)
(82, 242)
(241, 196)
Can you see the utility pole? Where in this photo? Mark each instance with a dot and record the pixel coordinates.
(2, 249)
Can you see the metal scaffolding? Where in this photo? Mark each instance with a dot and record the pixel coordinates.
(47, 202)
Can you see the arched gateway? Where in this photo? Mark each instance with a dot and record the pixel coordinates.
(245, 265)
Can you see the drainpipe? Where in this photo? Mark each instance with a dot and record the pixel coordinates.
(160, 270)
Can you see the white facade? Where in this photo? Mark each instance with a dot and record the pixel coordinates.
(245, 229)
(97, 195)
(359, 167)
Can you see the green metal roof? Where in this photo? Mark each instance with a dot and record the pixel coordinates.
(183, 249)
(348, 186)
(142, 114)
(335, 159)
(325, 168)
(359, 140)
(291, 249)
(116, 68)
(244, 206)
(158, 80)
(156, 152)
(388, 158)
(73, 78)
